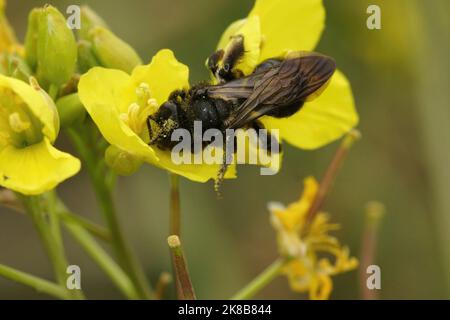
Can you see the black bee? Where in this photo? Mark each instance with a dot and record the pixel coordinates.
(277, 88)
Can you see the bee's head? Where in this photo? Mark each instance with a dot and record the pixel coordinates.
(212, 63)
(223, 62)
(162, 123)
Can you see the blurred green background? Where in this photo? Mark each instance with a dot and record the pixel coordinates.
(400, 80)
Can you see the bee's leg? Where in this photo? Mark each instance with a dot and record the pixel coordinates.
(226, 161)
(149, 128)
(152, 137)
(266, 144)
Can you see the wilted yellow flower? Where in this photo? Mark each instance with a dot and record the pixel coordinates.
(120, 104)
(272, 29)
(29, 125)
(309, 248)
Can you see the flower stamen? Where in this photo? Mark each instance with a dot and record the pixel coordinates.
(138, 112)
(17, 124)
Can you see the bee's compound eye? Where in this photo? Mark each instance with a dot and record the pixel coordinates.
(168, 110)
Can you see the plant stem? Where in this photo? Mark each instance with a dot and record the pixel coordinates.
(108, 265)
(164, 280)
(105, 200)
(175, 221)
(51, 237)
(186, 291)
(261, 281)
(96, 252)
(175, 213)
(53, 92)
(94, 229)
(34, 282)
(330, 174)
(374, 214)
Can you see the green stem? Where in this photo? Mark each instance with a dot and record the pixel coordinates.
(105, 200)
(94, 229)
(96, 252)
(34, 282)
(175, 213)
(261, 281)
(104, 261)
(48, 227)
(53, 91)
(374, 214)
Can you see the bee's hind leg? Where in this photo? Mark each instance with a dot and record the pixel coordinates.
(268, 141)
(226, 161)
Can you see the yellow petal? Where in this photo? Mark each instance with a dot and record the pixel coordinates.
(101, 91)
(164, 75)
(321, 287)
(35, 169)
(322, 120)
(298, 275)
(38, 103)
(8, 41)
(229, 32)
(194, 172)
(293, 216)
(289, 25)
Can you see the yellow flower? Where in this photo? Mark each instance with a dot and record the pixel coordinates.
(309, 247)
(120, 103)
(9, 47)
(8, 41)
(272, 29)
(29, 125)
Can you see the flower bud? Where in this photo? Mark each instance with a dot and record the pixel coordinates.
(86, 56)
(70, 110)
(112, 52)
(122, 162)
(31, 38)
(89, 20)
(56, 47)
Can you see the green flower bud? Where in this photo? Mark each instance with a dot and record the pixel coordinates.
(89, 20)
(70, 110)
(86, 56)
(31, 38)
(121, 162)
(56, 48)
(112, 52)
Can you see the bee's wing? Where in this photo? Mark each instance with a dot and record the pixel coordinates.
(242, 88)
(239, 89)
(289, 82)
